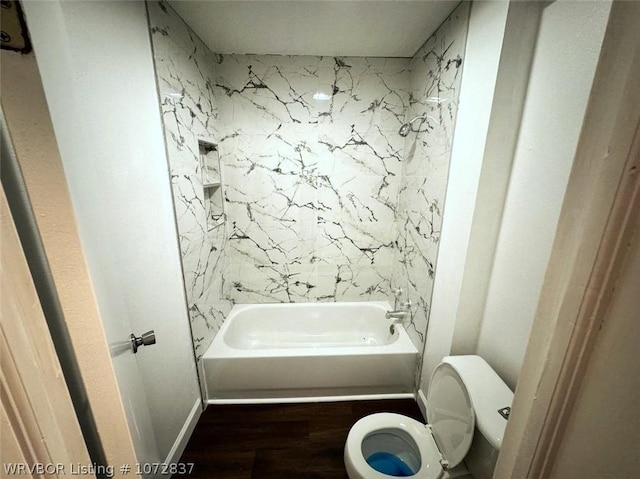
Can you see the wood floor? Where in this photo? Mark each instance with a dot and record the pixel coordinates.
(279, 441)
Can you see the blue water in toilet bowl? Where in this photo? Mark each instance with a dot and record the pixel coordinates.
(389, 464)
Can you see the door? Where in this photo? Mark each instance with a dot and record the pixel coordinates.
(39, 425)
(103, 210)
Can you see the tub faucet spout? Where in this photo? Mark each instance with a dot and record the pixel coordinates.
(396, 315)
(399, 314)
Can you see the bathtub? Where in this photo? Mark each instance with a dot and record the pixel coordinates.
(308, 352)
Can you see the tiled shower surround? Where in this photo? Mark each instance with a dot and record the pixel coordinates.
(323, 199)
(313, 165)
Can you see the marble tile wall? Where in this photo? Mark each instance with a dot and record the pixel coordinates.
(313, 168)
(323, 199)
(436, 71)
(184, 70)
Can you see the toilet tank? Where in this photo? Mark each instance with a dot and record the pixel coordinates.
(488, 394)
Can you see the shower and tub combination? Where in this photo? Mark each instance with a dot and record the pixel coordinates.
(311, 351)
(296, 352)
(328, 192)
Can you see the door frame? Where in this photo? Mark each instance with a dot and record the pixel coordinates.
(39, 422)
(597, 219)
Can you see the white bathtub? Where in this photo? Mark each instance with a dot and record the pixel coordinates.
(308, 352)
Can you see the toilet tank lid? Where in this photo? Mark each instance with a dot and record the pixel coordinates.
(488, 393)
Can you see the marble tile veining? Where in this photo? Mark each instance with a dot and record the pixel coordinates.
(321, 199)
(184, 73)
(436, 71)
(314, 170)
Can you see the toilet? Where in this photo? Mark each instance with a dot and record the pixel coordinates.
(465, 394)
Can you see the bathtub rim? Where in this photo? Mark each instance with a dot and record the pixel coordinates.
(219, 348)
(365, 320)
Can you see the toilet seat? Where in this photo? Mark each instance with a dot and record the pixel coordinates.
(450, 413)
(430, 456)
(440, 445)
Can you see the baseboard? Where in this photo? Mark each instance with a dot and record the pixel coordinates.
(422, 403)
(185, 433)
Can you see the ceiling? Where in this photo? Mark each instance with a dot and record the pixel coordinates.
(382, 28)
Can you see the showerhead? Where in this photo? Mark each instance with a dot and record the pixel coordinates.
(408, 127)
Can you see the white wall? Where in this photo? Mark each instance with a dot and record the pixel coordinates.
(484, 45)
(567, 51)
(96, 65)
(521, 107)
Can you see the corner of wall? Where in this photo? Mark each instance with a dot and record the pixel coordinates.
(482, 57)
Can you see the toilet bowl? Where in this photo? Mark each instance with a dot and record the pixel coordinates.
(385, 445)
(404, 447)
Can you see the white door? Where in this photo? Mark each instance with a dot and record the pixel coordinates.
(96, 67)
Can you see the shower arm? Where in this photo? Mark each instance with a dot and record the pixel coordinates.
(422, 117)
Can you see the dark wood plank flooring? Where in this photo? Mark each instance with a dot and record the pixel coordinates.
(280, 441)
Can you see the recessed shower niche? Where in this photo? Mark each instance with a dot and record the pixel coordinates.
(211, 183)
